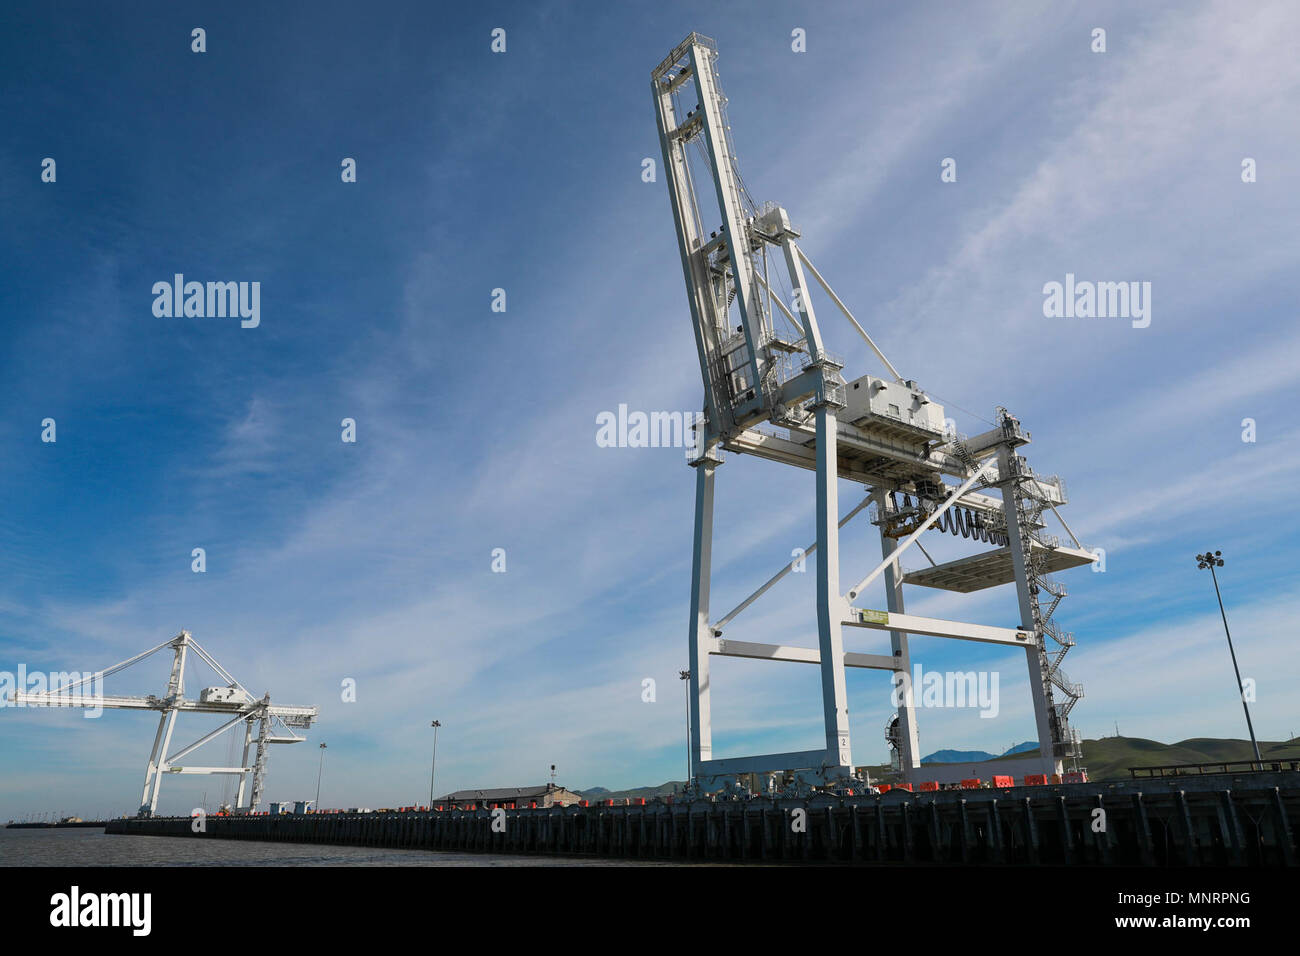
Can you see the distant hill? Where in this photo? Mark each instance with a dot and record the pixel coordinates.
(1021, 748)
(1107, 758)
(957, 756)
(969, 756)
(663, 790)
(1110, 757)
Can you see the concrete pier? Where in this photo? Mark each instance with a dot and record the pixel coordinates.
(1219, 820)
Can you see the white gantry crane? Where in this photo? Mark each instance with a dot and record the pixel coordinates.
(231, 700)
(773, 391)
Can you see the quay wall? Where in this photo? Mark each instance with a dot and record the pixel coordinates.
(1214, 820)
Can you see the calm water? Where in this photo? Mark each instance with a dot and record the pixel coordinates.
(93, 847)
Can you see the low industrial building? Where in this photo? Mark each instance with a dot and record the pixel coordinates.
(548, 795)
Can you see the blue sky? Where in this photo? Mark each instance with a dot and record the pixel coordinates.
(476, 429)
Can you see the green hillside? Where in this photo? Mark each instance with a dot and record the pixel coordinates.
(1110, 757)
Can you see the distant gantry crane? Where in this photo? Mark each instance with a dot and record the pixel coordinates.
(231, 700)
(772, 390)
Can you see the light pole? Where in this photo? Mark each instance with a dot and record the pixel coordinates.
(686, 676)
(433, 769)
(320, 771)
(1212, 561)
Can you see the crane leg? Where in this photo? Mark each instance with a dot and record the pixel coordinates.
(152, 769)
(243, 777)
(908, 741)
(830, 605)
(701, 732)
(160, 762)
(259, 766)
